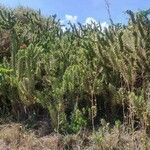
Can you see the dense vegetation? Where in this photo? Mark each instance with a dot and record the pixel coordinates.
(77, 78)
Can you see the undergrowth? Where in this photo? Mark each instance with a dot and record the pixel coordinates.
(79, 78)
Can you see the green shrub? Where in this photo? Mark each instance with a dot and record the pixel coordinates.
(101, 70)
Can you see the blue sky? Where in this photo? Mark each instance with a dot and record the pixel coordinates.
(82, 10)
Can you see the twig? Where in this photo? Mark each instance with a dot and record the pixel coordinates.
(108, 11)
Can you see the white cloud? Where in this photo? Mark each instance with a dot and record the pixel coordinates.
(62, 21)
(72, 19)
(90, 20)
(63, 28)
(104, 25)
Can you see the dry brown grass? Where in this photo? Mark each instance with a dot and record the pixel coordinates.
(13, 136)
(120, 139)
